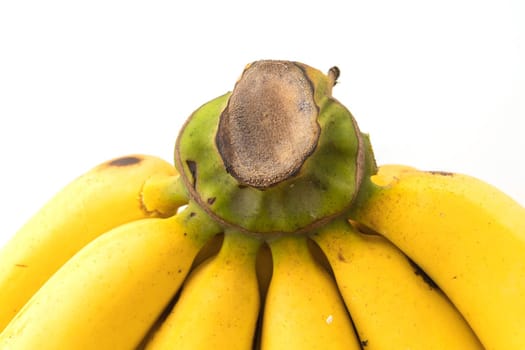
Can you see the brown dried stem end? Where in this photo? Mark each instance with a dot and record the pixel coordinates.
(269, 127)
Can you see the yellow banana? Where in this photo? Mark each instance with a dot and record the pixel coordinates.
(391, 305)
(468, 236)
(219, 304)
(303, 309)
(105, 197)
(110, 293)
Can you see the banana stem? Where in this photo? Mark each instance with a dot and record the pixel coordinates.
(198, 224)
(163, 194)
(277, 155)
(238, 245)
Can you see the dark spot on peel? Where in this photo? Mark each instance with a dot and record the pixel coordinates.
(211, 200)
(192, 166)
(20, 265)
(192, 214)
(364, 343)
(340, 256)
(442, 173)
(125, 161)
(419, 272)
(179, 271)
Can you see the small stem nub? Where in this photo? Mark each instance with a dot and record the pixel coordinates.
(333, 74)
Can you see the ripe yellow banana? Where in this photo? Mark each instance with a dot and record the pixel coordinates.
(113, 193)
(392, 303)
(303, 309)
(468, 236)
(219, 304)
(110, 293)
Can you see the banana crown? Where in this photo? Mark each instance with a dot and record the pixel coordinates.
(276, 155)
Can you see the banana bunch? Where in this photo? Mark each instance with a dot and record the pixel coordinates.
(274, 229)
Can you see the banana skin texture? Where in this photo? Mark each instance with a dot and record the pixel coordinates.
(393, 305)
(219, 302)
(105, 197)
(303, 308)
(467, 236)
(105, 297)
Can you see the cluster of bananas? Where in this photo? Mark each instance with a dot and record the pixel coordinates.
(275, 230)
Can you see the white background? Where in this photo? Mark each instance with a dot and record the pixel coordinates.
(439, 85)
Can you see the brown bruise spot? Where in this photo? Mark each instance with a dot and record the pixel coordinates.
(340, 256)
(20, 265)
(125, 161)
(269, 127)
(211, 200)
(442, 173)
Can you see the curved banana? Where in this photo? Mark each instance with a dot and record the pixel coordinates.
(468, 236)
(392, 303)
(219, 303)
(105, 197)
(303, 309)
(110, 293)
